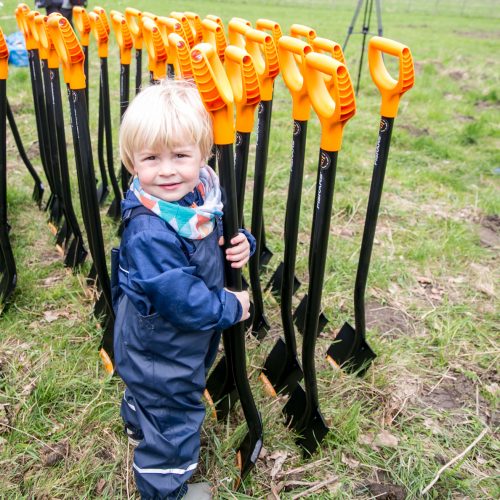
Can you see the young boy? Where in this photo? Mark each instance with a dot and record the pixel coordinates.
(170, 305)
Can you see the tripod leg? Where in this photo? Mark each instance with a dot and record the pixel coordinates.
(366, 29)
(353, 22)
(379, 18)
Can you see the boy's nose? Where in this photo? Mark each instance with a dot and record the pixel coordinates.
(167, 167)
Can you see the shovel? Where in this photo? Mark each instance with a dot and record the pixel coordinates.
(70, 54)
(125, 44)
(82, 23)
(334, 103)
(196, 28)
(181, 56)
(22, 11)
(333, 49)
(38, 189)
(350, 349)
(101, 30)
(155, 45)
(133, 17)
(213, 33)
(8, 274)
(72, 239)
(167, 26)
(216, 93)
(282, 370)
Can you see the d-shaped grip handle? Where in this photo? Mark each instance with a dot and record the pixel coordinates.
(181, 57)
(300, 30)
(332, 98)
(292, 54)
(326, 46)
(236, 30)
(186, 27)
(69, 50)
(390, 89)
(82, 23)
(156, 48)
(133, 17)
(265, 57)
(215, 91)
(123, 37)
(4, 57)
(195, 22)
(22, 11)
(45, 41)
(245, 86)
(213, 33)
(102, 14)
(273, 27)
(100, 34)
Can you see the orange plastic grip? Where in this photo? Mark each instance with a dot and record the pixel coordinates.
(69, 50)
(45, 43)
(30, 23)
(181, 56)
(292, 53)
(244, 84)
(273, 27)
(215, 19)
(156, 48)
(300, 30)
(215, 91)
(236, 29)
(100, 34)
(188, 32)
(195, 22)
(326, 46)
(213, 33)
(150, 15)
(22, 11)
(102, 14)
(265, 58)
(332, 98)
(4, 57)
(168, 25)
(391, 90)
(82, 23)
(133, 17)
(123, 37)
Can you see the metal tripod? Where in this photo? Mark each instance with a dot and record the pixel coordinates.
(365, 29)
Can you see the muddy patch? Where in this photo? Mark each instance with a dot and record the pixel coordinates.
(489, 231)
(386, 491)
(415, 131)
(389, 321)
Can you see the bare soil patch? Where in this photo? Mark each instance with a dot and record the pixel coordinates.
(386, 491)
(415, 131)
(389, 321)
(489, 231)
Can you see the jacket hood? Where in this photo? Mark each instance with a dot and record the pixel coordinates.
(130, 202)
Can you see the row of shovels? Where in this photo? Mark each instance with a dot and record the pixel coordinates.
(233, 79)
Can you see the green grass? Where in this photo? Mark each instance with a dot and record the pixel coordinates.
(432, 291)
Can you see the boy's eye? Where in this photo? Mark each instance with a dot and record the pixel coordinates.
(181, 155)
(150, 158)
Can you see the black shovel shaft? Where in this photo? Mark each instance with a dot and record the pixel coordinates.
(100, 138)
(88, 193)
(40, 114)
(240, 165)
(107, 127)
(292, 216)
(377, 185)
(124, 101)
(3, 154)
(264, 120)
(138, 70)
(235, 336)
(319, 243)
(20, 146)
(62, 154)
(86, 73)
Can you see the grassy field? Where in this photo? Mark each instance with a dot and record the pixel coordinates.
(432, 294)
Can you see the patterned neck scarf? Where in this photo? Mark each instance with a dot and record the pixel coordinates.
(194, 222)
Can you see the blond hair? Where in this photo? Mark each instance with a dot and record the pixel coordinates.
(169, 114)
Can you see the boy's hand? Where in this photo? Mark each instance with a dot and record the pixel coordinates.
(244, 300)
(239, 253)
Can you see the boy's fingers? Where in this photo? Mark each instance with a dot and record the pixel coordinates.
(238, 238)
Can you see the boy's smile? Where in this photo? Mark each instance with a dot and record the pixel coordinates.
(169, 173)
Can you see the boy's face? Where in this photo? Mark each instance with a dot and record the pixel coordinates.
(169, 173)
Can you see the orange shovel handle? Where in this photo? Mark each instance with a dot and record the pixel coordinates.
(261, 47)
(236, 30)
(215, 91)
(390, 89)
(332, 98)
(188, 32)
(45, 41)
(300, 30)
(82, 23)
(273, 27)
(133, 17)
(30, 23)
(156, 48)
(4, 57)
(22, 11)
(215, 19)
(168, 25)
(244, 84)
(292, 54)
(181, 56)
(102, 14)
(69, 50)
(195, 22)
(100, 34)
(326, 46)
(123, 37)
(213, 33)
